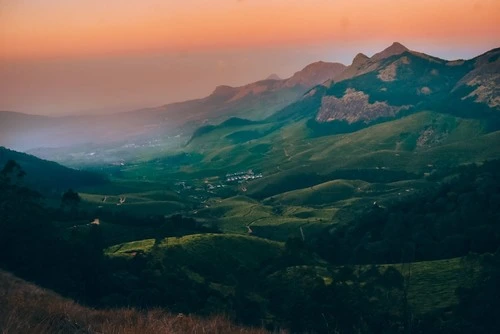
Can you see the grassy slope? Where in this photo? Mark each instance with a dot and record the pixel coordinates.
(432, 283)
(208, 255)
(234, 214)
(290, 147)
(143, 198)
(284, 153)
(153, 203)
(47, 175)
(26, 308)
(379, 150)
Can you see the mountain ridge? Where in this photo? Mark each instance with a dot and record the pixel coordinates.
(398, 77)
(49, 176)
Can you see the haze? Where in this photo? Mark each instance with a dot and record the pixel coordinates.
(88, 56)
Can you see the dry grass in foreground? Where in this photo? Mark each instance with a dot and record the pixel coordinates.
(26, 308)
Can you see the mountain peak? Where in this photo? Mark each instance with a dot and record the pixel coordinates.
(315, 73)
(360, 59)
(223, 90)
(273, 76)
(396, 48)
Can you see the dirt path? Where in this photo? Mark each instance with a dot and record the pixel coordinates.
(249, 228)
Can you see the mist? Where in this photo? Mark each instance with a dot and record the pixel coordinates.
(118, 83)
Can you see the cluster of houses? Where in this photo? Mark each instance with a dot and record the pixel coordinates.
(238, 177)
(242, 176)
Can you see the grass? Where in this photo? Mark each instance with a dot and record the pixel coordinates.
(26, 308)
(234, 214)
(324, 193)
(212, 256)
(432, 284)
(283, 155)
(286, 153)
(392, 144)
(132, 247)
(141, 198)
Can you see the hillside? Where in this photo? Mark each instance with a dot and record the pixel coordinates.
(27, 308)
(206, 254)
(313, 174)
(398, 80)
(48, 176)
(363, 247)
(428, 105)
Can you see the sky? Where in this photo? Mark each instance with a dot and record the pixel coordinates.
(91, 56)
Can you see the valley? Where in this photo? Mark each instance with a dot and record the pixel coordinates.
(361, 197)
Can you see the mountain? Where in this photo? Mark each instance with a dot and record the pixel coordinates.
(390, 84)
(253, 101)
(398, 103)
(396, 48)
(362, 64)
(484, 79)
(314, 74)
(48, 176)
(391, 163)
(273, 76)
(397, 81)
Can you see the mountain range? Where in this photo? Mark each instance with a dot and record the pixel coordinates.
(254, 101)
(391, 83)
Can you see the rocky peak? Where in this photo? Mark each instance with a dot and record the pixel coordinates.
(315, 73)
(223, 90)
(395, 49)
(359, 60)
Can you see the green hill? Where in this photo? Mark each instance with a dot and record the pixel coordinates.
(208, 255)
(48, 176)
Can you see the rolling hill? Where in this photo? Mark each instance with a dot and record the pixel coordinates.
(47, 176)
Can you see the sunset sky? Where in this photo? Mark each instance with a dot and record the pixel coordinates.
(65, 57)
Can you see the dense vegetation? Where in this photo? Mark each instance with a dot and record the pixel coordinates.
(265, 283)
(459, 217)
(48, 176)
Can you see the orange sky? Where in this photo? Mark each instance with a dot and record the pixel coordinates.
(41, 28)
(58, 56)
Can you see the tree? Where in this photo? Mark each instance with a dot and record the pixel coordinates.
(477, 311)
(11, 170)
(70, 200)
